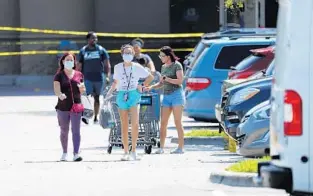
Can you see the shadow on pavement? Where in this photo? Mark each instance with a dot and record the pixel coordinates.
(32, 113)
(16, 91)
(64, 162)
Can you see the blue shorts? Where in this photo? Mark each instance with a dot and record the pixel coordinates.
(133, 99)
(176, 98)
(94, 87)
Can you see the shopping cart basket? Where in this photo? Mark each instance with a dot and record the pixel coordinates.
(149, 118)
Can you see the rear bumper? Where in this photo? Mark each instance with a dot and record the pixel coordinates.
(272, 176)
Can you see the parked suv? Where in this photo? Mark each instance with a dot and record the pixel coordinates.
(203, 84)
(257, 61)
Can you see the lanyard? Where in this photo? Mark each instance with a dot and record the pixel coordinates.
(130, 75)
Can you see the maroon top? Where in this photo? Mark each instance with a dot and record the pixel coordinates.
(67, 103)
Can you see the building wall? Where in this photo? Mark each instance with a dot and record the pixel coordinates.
(76, 15)
(9, 12)
(145, 16)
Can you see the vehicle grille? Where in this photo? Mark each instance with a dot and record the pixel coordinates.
(240, 140)
(224, 99)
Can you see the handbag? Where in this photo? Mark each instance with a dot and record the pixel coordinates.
(88, 106)
(76, 107)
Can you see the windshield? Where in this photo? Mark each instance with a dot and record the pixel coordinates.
(244, 64)
(270, 69)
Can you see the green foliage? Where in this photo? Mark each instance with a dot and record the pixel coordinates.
(203, 133)
(232, 4)
(247, 166)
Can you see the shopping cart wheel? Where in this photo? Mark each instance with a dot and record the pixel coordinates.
(159, 144)
(148, 149)
(154, 141)
(110, 147)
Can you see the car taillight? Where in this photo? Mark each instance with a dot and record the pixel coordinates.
(292, 113)
(231, 74)
(196, 84)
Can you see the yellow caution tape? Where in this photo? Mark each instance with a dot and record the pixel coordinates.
(125, 35)
(49, 52)
(36, 42)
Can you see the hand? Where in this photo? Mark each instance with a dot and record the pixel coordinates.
(146, 88)
(107, 79)
(62, 96)
(81, 87)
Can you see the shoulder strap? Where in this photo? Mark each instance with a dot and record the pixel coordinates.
(69, 80)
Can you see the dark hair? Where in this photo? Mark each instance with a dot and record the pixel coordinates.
(137, 41)
(61, 65)
(90, 33)
(168, 51)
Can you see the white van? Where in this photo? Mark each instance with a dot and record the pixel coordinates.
(291, 123)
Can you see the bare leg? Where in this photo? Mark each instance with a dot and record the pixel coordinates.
(165, 115)
(135, 126)
(124, 126)
(178, 114)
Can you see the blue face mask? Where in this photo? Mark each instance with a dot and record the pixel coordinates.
(68, 65)
(128, 57)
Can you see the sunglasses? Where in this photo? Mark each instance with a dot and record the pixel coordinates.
(161, 56)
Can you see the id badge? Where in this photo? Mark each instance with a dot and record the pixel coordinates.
(125, 96)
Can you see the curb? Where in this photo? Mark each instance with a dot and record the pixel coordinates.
(233, 179)
(201, 140)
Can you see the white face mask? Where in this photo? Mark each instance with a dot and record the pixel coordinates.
(68, 65)
(128, 57)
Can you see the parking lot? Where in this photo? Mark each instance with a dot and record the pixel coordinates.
(30, 151)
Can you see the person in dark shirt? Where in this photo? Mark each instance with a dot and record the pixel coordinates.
(94, 63)
(68, 87)
(143, 59)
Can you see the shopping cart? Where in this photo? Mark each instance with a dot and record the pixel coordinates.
(149, 118)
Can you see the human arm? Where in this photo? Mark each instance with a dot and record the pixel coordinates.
(106, 62)
(179, 75)
(57, 87)
(79, 64)
(81, 85)
(150, 64)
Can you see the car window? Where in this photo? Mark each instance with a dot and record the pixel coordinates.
(232, 55)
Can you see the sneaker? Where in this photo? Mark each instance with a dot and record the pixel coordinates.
(95, 120)
(177, 151)
(77, 158)
(85, 120)
(133, 156)
(64, 157)
(125, 157)
(159, 151)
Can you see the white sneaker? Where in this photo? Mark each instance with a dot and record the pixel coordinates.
(177, 151)
(133, 156)
(64, 157)
(159, 151)
(77, 158)
(125, 157)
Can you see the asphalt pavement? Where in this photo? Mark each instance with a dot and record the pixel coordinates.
(30, 150)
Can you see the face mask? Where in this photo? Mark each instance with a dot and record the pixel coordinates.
(128, 57)
(68, 65)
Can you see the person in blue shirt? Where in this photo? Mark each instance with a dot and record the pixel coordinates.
(94, 63)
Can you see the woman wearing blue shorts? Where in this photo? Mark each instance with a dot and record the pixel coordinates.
(173, 96)
(126, 77)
